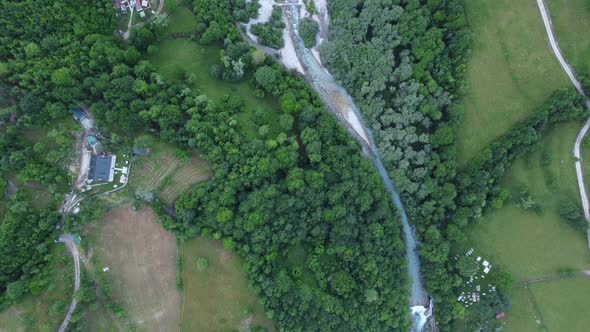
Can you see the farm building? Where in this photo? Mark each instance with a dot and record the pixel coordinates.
(138, 5)
(139, 152)
(78, 114)
(102, 168)
(92, 141)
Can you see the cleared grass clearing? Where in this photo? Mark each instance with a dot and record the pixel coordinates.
(165, 175)
(521, 317)
(40, 198)
(181, 21)
(177, 57)
(99, 318)
(530, 245)
(571, 21)
(511, 71)
(218, 298)
(521, 240)
(562, 304)
(46, 311)
(141, 257)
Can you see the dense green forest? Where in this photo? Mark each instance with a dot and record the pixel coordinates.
(43, 59)
(319, 235)
(405, 71)
(320, 238)
(270, 33)
(308, 30)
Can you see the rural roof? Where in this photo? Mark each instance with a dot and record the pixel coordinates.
(139, 151)
(78, 113)
(102, 168)
(92, 140)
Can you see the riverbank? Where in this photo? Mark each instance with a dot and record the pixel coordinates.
(340, 103)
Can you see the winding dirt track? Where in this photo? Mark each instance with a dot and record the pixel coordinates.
(570, 73)
(71, 245)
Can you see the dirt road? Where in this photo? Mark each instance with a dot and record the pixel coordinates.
(128, 32)
(579, 172)
(69, 203)
(71, 245)
(570, 73)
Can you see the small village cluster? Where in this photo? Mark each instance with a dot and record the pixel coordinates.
(475, 286)
(138, 5)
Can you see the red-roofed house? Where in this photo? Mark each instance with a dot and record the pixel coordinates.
(138, 5)
(500, 315)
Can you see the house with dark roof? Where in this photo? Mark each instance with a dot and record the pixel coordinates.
(78, 114)
(139, 152)
(102, 168)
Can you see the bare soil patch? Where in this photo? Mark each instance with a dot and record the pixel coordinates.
(141, 257)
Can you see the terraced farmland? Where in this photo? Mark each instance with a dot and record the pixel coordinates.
(165, 175)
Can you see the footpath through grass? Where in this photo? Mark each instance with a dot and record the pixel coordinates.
(530, 244)
(511, 70)
(571, 21)
(217, 298)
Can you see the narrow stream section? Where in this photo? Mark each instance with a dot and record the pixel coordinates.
(342, 106)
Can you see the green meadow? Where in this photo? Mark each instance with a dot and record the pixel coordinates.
(511, 71)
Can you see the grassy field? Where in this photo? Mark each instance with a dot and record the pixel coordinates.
(521, 317)
(39, 195)
(181, 21)
(218, 298)
(531, 245)
(562, 304)
(177, 57)
(511, 70)
(166, 175)
(46, 311)
(142, 271)
(571, 21)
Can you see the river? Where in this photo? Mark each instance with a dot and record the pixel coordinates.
(342, 106)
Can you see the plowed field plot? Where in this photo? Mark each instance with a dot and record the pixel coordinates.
(164, 175)
(141, 258)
